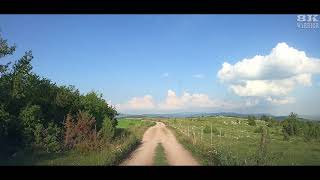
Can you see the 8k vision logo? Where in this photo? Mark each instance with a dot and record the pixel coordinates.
(309, 21)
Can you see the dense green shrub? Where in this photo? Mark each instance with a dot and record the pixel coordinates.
(107, 131)
(95, 105)
(291, 125)
(259, 130)
(30, 117)
(251, 120)
(48, 139)
(207, 130)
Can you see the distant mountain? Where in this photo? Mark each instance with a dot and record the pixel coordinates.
(311, 117)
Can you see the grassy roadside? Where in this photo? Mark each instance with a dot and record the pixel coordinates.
(127, 139)
(205, 154)
(231, 141)
(160, 156)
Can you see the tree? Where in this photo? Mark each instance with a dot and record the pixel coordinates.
(97, 107)
(108, 130)
(265, 118)
(69, 134)
(83, 134)
(291, 125)
(30, 117)
(5, 49)
(251, 120)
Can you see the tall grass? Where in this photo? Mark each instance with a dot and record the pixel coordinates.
(234, 142)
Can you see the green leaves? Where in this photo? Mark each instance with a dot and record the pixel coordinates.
(30, 117)
(97, 106)
(108, 130)
(251, 120)
(5, 48)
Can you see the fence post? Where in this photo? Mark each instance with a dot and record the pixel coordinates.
(201, 132)
(211, 135)
(195, 135)
(188, 131)
(220, 137)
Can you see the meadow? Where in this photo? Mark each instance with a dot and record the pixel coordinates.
(232, 141)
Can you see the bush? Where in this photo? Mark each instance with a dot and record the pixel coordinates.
(30, 117)
(94, 104)
(48, 139)
(291, 125)
(286, 136)
(4, 117)
(107, 131)
(81, 132)
(251, 120)
(259, 130)
(207, 130)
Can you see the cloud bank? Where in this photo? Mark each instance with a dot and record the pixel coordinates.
(174, 103)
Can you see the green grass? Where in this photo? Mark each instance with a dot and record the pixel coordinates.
(128, 138)
(238, 143)
(126, 123)
(160, 156)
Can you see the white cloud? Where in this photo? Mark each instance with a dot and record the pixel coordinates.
(165, 75)
(137, 103)
(199, 76)
(251, 102)
(187, 101)
(285, 100)
(271, 76)
(172, 102)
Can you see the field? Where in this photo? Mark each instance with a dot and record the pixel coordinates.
(233, 142)
(129, 134)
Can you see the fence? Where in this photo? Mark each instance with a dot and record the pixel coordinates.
(194, 132)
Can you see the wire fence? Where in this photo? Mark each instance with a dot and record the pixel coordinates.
(195, 132)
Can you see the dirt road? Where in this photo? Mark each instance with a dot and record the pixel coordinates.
(176, 154)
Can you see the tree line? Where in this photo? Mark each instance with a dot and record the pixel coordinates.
(38, 115)
(292, 126)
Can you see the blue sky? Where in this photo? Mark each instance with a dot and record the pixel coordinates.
(131, 56)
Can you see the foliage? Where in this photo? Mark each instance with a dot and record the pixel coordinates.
(30, 118)
(81, 132)
(108, 130)
(48, 139)
(207, 130)
(94, 104)
(240, 145)
(252, 120)
(33, 110)
(260, 129)
(290, 125)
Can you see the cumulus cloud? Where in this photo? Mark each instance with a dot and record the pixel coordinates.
(137, 103)
(199, 76)
(187, 101)
(285, 100)
(173, 102)
(271, 76)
